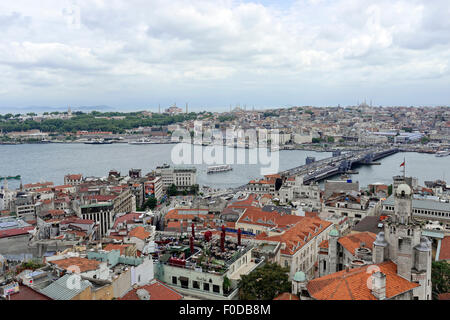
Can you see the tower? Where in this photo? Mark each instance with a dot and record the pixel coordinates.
(403, 243)
(332, 250)
(380, 248)
(299, 283)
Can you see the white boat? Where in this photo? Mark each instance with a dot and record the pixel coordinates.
(98, 141)
(220, 168)
(442, 153)
(141, 141)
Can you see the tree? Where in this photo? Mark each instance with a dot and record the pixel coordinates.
(172, 190)
(151, 203)
(331, 139)
(194, 189)
(390, 189)
(425, 140)
(316, 140)
(226, 284)
(265, 283)
(440, 277)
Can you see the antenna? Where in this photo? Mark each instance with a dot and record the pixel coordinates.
(404, 168)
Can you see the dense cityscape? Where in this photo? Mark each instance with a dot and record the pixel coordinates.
(215, 159)
(160, 235)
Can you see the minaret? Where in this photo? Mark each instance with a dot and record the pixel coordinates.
(186, 107)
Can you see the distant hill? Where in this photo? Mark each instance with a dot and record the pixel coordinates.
(41, 109)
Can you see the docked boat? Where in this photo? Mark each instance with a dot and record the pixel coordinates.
(98, 141)
(442, 153)
(220, 168)
(141, 141)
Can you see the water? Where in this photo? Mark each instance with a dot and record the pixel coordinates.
(50, 162)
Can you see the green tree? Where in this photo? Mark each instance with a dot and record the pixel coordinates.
(226, 284)
(151, 203)
(194, 189)
(425, 140)
(172, 190)
(440, 277)
(264, 283)
(390, 189)
(316, 140)
(330, 139)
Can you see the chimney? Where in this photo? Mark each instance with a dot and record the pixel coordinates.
(379, 285)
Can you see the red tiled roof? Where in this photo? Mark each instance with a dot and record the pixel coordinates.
(157, 291)
(444, 296)
(120, 247)
(77, 221)
(323, 244)
(287, 296)
(311, 214)
(56, 212)
(43, 190)
(35, 185)
(126, 217)
(352, 284)
(27, 293)
(173, 225)
(249, 201)
(74, 176)
(15, 232)
(354, 241)
(298, 235)
(175, 215)
(66, 186)
(82, 263)
(140, 233)
(444, 253)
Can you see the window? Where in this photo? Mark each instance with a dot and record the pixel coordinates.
(206, 286)
(216, 288)
(174, 280)
(195, 285)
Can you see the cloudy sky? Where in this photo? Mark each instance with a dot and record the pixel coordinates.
(136, 54)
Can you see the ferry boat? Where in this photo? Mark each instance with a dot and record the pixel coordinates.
(141, 141)
(98, 141)
(442, 153)
(220, 168)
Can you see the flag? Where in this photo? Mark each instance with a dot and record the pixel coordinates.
(403, 164)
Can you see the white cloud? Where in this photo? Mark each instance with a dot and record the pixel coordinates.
(93, 47)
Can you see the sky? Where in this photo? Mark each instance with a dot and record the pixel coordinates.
(138, 54)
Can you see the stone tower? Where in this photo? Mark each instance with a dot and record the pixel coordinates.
(403, 243)
(332, 250)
